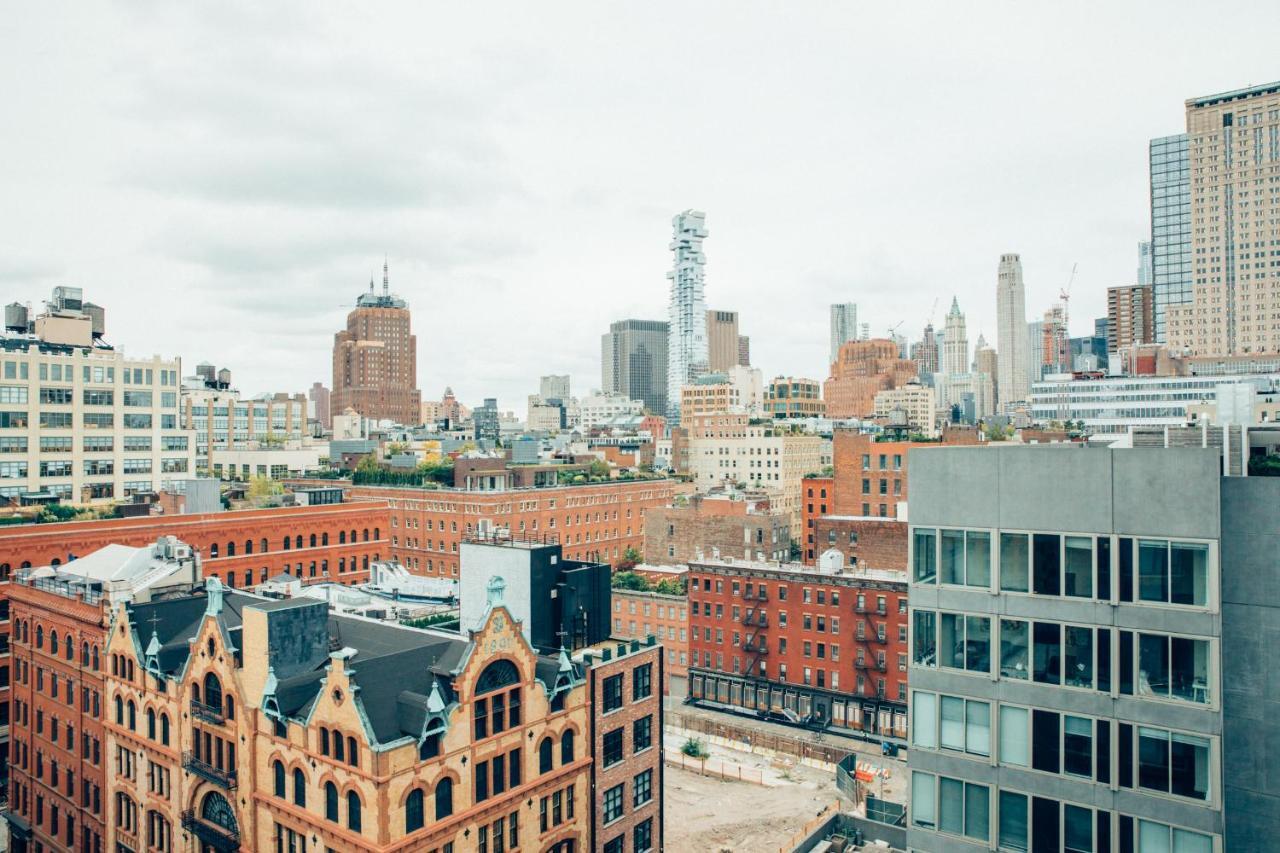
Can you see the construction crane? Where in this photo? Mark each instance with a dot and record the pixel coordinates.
(933, 311)
(1065, 296)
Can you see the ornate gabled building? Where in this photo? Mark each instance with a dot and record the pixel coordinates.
(239, 722)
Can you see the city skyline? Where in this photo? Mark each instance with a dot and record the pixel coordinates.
(250, 200)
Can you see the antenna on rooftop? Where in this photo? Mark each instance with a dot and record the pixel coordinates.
(386, 278)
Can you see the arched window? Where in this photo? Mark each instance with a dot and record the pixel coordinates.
(376, 534)
(544, 755)
(53, 642)
(324, 741)
(497, 675)
(444, 798)
(70, 652)
(287, 542)
(215, 809)
(231, 707)
(353, 811)
(95, 658)
(353, 752)
(119, 703)
(353, 534)
(164, 729)
(213, 550)
(365, 533)
(313, 540)
(231, 549)
(299, 787)
(297, 542)
(265, 548)
(39, 636)
(331, 802)
(413, 817)
(337, 746)
(277, 771)
(84, 654)
(212, 691)
(151, 724)
(248, 577)
(566, 747)
(133, 716)
(324, 538)
(231, 579)
(429, 748)
(248, 546)
(342, 537)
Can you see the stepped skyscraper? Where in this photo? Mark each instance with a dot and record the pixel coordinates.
(687, 308)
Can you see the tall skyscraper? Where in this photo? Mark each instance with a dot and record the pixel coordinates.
(375, 360)
(844, 327)
(722, 340)
(1233, 141)
(1128, 316)
(744, 350)
(1170, 227)
(1144, 263)
(687, 307)
(955, 353)
(633, 362)
(1011, 332)
(924, 352)
(1035, 351)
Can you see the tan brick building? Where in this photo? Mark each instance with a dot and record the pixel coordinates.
(731, 525)
(1130, 317)
(638, 614)
(1233, 158)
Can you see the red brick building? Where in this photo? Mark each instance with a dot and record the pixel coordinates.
(638, 614)
(830, 646)
(58, 767)
(591, 521)
(877, 543)
(710, 526)
(861, 370)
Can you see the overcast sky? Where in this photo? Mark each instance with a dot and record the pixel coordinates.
(225, 181)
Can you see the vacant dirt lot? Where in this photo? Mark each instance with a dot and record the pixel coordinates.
(705, 815)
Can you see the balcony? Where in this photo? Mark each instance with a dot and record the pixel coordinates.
(216, 775)
(208, 713)
(217, 837)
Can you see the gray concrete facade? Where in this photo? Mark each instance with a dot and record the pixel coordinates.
(1111, 500)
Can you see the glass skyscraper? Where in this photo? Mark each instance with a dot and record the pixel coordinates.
(1170, 226)
(687, 353)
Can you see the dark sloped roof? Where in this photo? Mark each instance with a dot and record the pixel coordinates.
(175, 621)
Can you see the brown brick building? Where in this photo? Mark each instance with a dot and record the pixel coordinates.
(624, 684)
(707, 526)
(638, 614)
(861, 370)
(879, 543)
(830, 647)
(375, 360)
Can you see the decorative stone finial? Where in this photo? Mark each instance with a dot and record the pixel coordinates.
(496, 587)
(213, 588)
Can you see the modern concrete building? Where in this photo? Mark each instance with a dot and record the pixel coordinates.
(1170, 228)
(722, 340)
(1233, 144)
(600, 408)
(1129, 317)
(687, 355)
(83, 422)
(633, 362)
(1091, 674)
(375, 360)
(1011, 333)
(555, 387)
(844, 327)
(1145, 265)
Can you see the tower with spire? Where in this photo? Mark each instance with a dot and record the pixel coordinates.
(375, 358)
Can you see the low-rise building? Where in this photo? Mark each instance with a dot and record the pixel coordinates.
(794, 397)
(637, 614)
(912, 406)
(708, 526)
(827, 645)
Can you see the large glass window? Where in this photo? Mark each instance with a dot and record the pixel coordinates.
(965, 642)
(924, 637)
(924, 556)
(924, 719)
(1077, 829)
(1174, 763)
(952, 723)
(923, 800)
(1048, 653)
(1078, 656)
(1013, 821)
(977, 728)
(951, 562)
(1173, 667)
(951, 805)
(1077, 577)
(1158, 838)
(1014, 644)
(966, 557)
(1015, 557)
(1014, 739)
(1174, 573)
(1077, 746)
(1047, 564)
